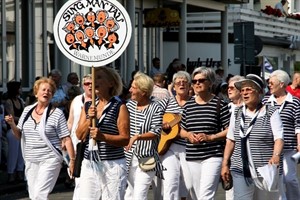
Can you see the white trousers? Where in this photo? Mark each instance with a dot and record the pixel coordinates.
(41, 177)
(107, 185)
(242, 191)
(205, 176)
(177, 180)
(290, 178)
(138, 182)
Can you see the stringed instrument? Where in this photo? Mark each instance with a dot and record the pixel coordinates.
(167, 137)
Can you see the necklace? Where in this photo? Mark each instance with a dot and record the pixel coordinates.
(37, 112)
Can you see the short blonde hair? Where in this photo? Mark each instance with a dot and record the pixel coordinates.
(37, 84)
(144, 83)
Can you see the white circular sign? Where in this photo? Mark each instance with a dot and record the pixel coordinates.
(92, 32)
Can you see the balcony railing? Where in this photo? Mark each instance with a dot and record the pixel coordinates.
(265, 25)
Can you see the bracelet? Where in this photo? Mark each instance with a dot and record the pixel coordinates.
(276, 154)
(72, 159)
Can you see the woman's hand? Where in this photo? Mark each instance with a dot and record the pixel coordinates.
(92, 112)
(274, 160)
(71, 167)
(95, 133)
(131, 142)
(193, 138)
(9, 119)
(225, 173)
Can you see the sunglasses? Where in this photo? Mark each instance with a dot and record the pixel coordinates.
(87, 83)
(200, 80)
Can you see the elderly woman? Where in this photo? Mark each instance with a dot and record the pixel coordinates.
(145, 128)
(204, 124)
(42, 128)
(288, 107)
(254, 139)
(103, 169)
(235, 101)
(172, 146)
(233, 93)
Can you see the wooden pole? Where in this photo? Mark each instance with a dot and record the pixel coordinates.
(93, 100)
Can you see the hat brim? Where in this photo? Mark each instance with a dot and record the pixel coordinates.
(239, 84)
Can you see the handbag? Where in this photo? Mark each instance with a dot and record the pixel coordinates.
(80, 147)
(147, 163)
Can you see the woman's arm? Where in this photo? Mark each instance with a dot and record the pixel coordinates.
(69, 146)
(225, 173)
(71, 117)
(120, 140)
(16, 131)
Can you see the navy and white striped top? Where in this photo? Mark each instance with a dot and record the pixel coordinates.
(202, 118)
(36, 149)
(108, 126)
(266, 129)
(170, 105)
(144, 121)
(290, 117)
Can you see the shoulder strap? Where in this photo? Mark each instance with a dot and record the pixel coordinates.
(30, 111)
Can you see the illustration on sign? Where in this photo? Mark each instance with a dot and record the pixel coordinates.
(92, 33)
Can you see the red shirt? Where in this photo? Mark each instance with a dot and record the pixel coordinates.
(294, 92)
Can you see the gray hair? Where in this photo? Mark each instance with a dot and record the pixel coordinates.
(236, 78)
(281, 76)
(55, 71)
(182, 74)
(207, 72)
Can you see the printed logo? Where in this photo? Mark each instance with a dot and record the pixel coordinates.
(92, 32)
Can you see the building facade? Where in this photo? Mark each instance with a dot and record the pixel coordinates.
(28, 47)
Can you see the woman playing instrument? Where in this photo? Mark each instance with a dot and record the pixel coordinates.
(177, 176)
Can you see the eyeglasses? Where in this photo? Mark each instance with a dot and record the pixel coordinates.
(247, 90)
(87, 83)
(200, 80)
(180, 83)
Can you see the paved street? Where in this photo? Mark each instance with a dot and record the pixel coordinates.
(61, 193)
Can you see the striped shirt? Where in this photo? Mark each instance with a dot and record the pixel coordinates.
(144, 121)
(290, 116)
(108, 126)
(202, 118)
(36, 149)
(170, 105)
(266, 129)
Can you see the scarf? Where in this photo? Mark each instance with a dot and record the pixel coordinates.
(245, 140)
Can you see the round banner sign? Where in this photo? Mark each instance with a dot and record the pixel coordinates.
(92, 32)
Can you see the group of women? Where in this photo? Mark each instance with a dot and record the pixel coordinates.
(121, 155)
